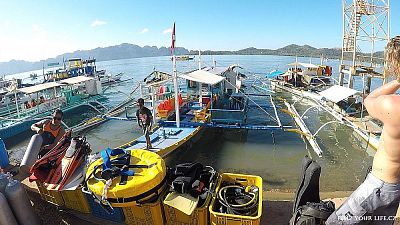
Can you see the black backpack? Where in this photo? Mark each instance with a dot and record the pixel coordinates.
(313, 213)
(308, 209)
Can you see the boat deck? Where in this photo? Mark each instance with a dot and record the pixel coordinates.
(366, 123)
(159, 141)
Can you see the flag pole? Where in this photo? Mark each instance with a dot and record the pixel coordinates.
(200, 85)
(175, 77)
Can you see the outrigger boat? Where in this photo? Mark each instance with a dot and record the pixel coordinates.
(31, 104)
(344, 104)
(170, 134)
(304, 75)
(313, 82)
(80, 67)
(184, 58)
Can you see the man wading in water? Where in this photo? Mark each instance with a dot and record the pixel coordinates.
(376, 200)
(145, 120)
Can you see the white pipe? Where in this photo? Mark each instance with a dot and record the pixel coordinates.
(16, 101)
(200, 84)
(153, 103)
(175, 77)
(214, 62)
(295, 74)
(141, 89)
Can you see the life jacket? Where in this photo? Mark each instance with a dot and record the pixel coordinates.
(49, 135)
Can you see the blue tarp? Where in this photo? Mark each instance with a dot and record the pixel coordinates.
(274, 73)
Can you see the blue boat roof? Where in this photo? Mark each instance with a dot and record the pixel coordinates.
(274, 73)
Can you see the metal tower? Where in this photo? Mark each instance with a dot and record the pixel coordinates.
(366, 30)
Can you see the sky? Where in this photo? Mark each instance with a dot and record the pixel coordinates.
(35, 30)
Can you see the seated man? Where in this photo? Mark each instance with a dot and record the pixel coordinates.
(42, 100)
(50, 130)
(377, 199)
(32, 103)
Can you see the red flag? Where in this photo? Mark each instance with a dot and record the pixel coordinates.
(173, 39)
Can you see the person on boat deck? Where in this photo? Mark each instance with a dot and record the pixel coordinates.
(27, 105)
(50, 130)
(376, 200)
(145, 120)
(41, 100)
(32, 103)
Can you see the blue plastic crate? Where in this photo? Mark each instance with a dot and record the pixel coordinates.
(98, 211)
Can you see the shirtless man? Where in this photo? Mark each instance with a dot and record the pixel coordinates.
(376, 200)
(145, 121)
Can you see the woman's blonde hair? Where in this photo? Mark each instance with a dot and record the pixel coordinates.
(392, 57)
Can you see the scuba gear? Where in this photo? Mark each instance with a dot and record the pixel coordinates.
(309, 187)
(73, 157)
(308, 209)
(125, 178)
(58, 166)
(42, 167)
(190, 185)
(32, 152)
(313, 213)
(191, 178)
(238, 200)
(20, 203)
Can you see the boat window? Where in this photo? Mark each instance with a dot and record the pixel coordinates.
(192, 84)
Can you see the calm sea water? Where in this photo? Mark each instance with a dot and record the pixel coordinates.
(275, 156)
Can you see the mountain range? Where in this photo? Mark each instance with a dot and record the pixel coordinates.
(126, 51)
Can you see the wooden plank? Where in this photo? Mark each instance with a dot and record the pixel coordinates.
(303, 127)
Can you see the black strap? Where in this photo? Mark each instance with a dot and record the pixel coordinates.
(124, 178)
(118, 165)
(139, 197)
(314, 212)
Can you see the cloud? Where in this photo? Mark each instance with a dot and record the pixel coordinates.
(169, 30)
(35, 44)
(97, 23)
(36, 28)
(145, 30)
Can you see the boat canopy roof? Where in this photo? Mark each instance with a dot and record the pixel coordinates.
(216, 70)
(89, 61)
(76, 80)
(337, 93)
(39, 87)
(74, 59)
(203, 76)
(299, 64)
(275, 73)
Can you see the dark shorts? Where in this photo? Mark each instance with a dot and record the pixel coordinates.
(146, 129)
(374, 202)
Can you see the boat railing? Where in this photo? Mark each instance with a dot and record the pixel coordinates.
(44, 107)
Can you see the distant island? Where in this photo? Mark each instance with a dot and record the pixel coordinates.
(126, 51)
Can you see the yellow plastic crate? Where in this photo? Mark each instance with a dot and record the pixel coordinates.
(76, 200)
(51, 196)
(200, 215)
(217, 218)
(145, 214)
